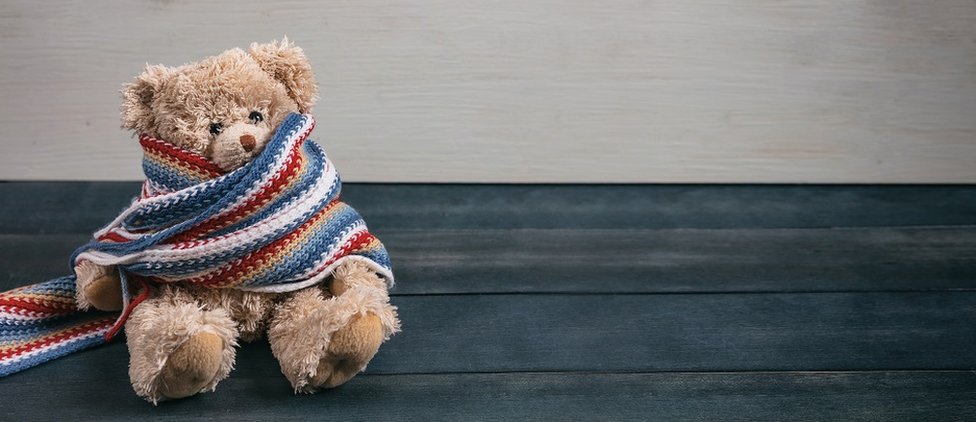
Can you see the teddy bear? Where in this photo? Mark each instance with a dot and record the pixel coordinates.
(182, 338)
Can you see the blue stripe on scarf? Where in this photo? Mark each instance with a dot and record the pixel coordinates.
(178, 216)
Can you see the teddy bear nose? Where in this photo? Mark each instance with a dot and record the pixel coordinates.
(248, 142)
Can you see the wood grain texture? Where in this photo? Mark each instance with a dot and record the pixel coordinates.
(693, 332)
(542, 91)
(648, 333)
(592, 302)
(626, 261)
(795, 396)
(83, 207)
(449, 239)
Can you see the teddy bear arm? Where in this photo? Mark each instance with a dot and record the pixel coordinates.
(98, 287)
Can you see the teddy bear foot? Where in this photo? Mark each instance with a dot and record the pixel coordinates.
(191, 367)
(322, 341)
(98, 287)
(176, 347)
(351, 348)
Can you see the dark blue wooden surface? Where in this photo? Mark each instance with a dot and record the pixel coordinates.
(593, 302)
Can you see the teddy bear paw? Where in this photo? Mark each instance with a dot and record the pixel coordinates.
(191, 367)
(98, 287)
(350, 349)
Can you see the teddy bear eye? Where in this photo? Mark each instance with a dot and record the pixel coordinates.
(256, 117)
(216, 128)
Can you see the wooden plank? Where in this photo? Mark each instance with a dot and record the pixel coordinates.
(683, 260)
(651, 333)
(627, 261)
(881, 396)
(58, 207)
(541, 91)
(693, 332)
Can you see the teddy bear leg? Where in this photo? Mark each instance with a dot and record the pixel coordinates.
(249, 310)
(351, 348)
(322, 341)
(357, 289)
(177, 348)
(98, 287)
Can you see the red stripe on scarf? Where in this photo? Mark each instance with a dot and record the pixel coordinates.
(192, 159)
(267, 192)
(255, 259)
(355, 243)
(73, 332)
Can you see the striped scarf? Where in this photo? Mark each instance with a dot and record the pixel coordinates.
(274, 225)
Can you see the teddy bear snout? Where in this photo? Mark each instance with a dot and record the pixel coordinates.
(248, 142)
(237, 145)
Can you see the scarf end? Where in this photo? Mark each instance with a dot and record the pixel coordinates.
(128, 304)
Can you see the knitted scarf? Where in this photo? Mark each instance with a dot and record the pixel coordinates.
(274, 225)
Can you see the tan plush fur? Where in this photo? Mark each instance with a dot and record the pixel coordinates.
(182, 340)
(98, 287)
(355, 323)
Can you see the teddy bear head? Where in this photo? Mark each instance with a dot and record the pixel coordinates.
(225, 107)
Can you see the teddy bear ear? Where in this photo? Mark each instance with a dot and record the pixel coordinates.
(138, 95)
(287, 63)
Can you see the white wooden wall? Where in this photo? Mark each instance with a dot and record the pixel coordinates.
(532, 90)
